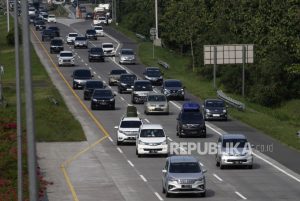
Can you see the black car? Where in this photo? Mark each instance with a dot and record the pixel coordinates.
(214, 109)
(47, 35)
(173, 89)
(31, 18)
(89, 16)
(125, 83)
(56, 45)
(140, 90)
(80, 77)
(154, 75)
(36, 19)
(190, 123)
(96, 54)
(55, 30)
(103, 98)
(89, 88)
(40, 25)
(91, 34)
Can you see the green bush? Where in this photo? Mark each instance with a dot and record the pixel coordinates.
(10, 37)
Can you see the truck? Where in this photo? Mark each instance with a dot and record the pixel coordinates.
(102, 14)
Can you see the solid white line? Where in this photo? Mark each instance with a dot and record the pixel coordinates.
(104, 82)
(219, 178)
(201, 164)
(78, 56)
(86, 64)
(143, 178)
(158, 196)
(147, 120)
(130, 163)
(122, 98)
(110, 139)
(82, 60)
(170, 139)
(176, 105)
(120, 150)
(99, 76)
(137, 111)
(90, 68)
(94, 72)
(239, 194)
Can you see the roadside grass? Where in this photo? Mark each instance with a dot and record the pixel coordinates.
(281, 123)
(59, 11)
(52, 122)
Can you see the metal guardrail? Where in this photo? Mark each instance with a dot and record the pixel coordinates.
(163, 64)
(231, 101)
(140, 36)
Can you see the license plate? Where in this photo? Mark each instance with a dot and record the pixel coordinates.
(158, 109)
(216, 115)
(153, 151)
(186, 186)
(237, 162)
(102, 103)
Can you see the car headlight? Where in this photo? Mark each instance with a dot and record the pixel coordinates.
(141, 142)
(184, 126)
(225, 154)
(224, 111)
(112, 99)
(172, 179)
(123, 84)
(94, 99)
(164, 142)
(207, 110)
(120, 131)
(167, 91)
(200, 179)
(72, 59)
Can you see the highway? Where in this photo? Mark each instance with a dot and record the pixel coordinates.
(268, 180)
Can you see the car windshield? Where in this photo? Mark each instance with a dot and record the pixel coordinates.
(156, 98)
(73, 35)
(107, 46)
(153, 73)
(239, 143)
(98, 28)
(96, 50)
(51, 16)
(143, 87)
(90, 31)
(56, 42)
(66, 54)
(214, 104)
(53, 28)
(82, 73)
(152, 133)
(127, 78)
(94, 84)
(173, 84)
(102, 93)
(191, 116)
(80, 38)
(117, 72)
(187, 167)
(127, 52)
(102, 18)
(130, 124)
(47, 32)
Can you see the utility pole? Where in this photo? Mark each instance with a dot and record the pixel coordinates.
(7, 14)
(18, 94)
(30, 129)
(243, 73)
(156, 20)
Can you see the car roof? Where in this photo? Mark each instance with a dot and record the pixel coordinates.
(66, 51)
(152, 68)
(95, 81)
(126, 49)
(103, 90)
(51, 15)
(151, 126)
(142, 81)
(73, 33)
(172, 80)
(151, 93)
(234, 136)
(107, 44)
(82, 69)
(131, 119)
(183, 159)
(214, 100)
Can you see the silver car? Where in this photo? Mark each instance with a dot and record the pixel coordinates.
(66, 58)
(234, 150)
(156, 103)
(127, 56)
(183, 174)
(81, 42)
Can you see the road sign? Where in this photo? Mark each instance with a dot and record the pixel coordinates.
(152, 31)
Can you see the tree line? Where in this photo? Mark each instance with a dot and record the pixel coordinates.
(273, 26)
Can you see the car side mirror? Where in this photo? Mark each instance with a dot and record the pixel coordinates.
(132, 87)
(204, 170)
(164, 171)
(92, 75)
(252, 146)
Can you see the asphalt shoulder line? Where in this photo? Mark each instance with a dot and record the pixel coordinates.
(240, 195)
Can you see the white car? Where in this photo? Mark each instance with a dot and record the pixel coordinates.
(66, 58)
(108, 49)
(71, 37)
(51, 18)
(99, 30)
(151, 140)
(128, 129)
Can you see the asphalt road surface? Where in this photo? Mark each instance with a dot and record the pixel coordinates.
(268, 180)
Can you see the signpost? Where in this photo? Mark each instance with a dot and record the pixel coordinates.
(229, 54)
(152, 35)
(1, 92)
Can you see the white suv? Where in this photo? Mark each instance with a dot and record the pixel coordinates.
(51, 18)
(99, 30)
(108, 49)
(66, 58)
(71, 38)
(151, 140)
(128, 129)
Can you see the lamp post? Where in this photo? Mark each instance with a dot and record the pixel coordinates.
(7, 14)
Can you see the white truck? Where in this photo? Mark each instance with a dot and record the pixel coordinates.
(102, 14)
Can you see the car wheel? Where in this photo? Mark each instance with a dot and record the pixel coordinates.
(221, 166)
(119, 142)
(202, 194)
(112, 107)
(120, 91)
(217, 163)
(93, 107)
(145, 112)
(109, 83)
(90, 60)
(137, 153)
(168, 194)
(163, 189)
(182, 98)
(250, 166)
